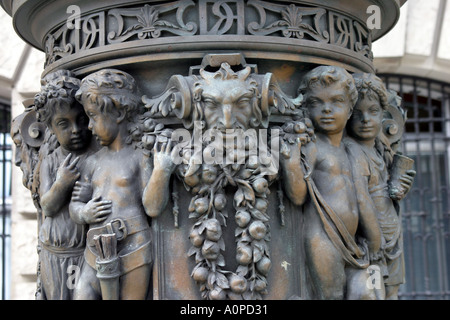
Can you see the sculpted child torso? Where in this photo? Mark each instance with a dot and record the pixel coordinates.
(118, 181)
(332, 176)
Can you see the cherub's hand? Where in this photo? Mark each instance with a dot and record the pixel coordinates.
(68, 172)
(96, 210)
(290, 151)
(163, 156)
(295, 135)
(406, 182)
(82, 191)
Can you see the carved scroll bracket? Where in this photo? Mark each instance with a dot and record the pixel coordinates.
(178, 98)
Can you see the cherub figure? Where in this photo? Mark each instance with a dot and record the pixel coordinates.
(372, 156)
(61, 240)
(126, 189)
(325, 188)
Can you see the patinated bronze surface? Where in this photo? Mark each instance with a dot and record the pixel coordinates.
(213, 150)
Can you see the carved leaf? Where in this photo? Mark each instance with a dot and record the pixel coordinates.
(308, 27)
(198, 256)
(260, 245)
(167, 24)
(191, 207)
(165, 109)
(238, 197)
(292, 16)
(202, 227)
(193, 250)
(211, 280)
(257, 254)
(194, 215)
(281, 106)
(249, 194)
(159, 103)
(148, 17)
(242, 270)
(220, 261)
(222, 281)
(259, 215)
(221, 244)
(246, 190)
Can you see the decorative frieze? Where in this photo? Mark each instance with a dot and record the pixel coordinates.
(177, 20)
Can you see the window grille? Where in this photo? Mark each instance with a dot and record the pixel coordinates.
(5, 199)
(425, 210)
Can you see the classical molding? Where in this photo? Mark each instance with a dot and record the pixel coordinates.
(232, 24)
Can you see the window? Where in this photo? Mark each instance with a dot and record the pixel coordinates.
(5, 199)
(425, 211)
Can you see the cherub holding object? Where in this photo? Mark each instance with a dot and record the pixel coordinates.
(323, 184)
(126, 190)
(372, 156)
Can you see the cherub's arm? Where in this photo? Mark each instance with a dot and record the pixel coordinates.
(156, 192)
(292, 171)
(94, 211)
(83, 208)
(54, 195)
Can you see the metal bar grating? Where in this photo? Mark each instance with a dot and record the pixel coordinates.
(5, 196)
(426, 211)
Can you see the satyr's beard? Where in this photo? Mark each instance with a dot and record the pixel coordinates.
(236, 126)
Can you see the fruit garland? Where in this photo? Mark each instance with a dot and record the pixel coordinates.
(208, 209)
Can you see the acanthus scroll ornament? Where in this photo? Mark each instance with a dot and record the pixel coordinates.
(149, 24)
(292, 22)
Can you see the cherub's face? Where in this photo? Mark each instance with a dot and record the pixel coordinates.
(329, 108)
(227, 104)
(17, 139)
(365, 123)
(70, 126)
(20, 157)
(103, 126)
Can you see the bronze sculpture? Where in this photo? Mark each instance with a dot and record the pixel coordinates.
(329, 94)
(220, 181)
(113, 106)
(62, 240)
(373, 155)
(119, 237)
(332, 215)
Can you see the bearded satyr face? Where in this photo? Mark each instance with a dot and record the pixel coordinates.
(228, 99)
